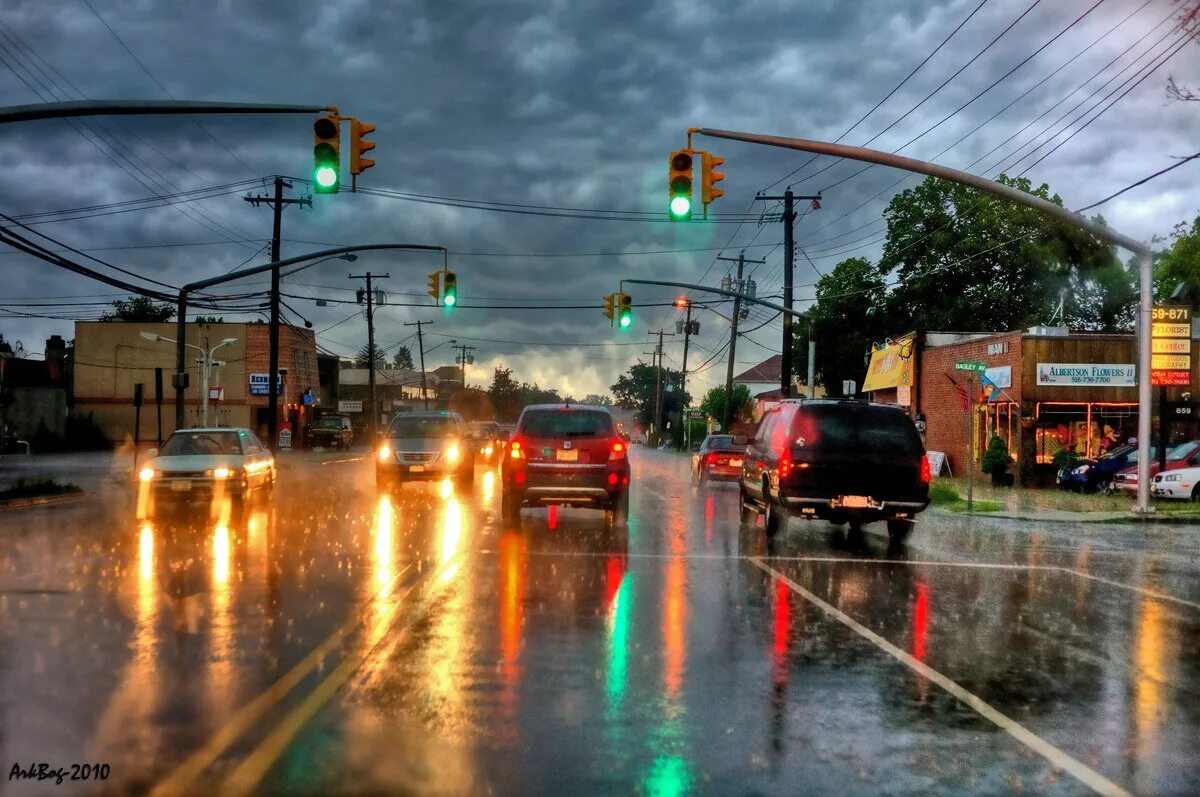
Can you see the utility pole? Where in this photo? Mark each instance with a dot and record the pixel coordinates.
(727, 421)
(463, 359)
(374, 425)
(277, 203)
(812, 356)
(421, 348)
(789, 257)
(658, 384)
(687, 334)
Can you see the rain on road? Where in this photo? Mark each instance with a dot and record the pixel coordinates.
(333, 639)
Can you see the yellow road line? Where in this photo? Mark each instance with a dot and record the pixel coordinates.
(1080, 771)
(183, 778)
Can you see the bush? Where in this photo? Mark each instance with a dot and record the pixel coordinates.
(1065, 458)
(36, 488)
(996, 460)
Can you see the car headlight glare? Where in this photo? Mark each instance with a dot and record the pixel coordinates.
(385, 452)
(146, 474)
(222, 473)
(1082, 469)
(452, 452)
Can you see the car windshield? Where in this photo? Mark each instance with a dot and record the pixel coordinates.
(329, 423)
(1183, 450)
(567, 423)
(423, 426)
(1120, 452)
(721, 442)
(183, 444)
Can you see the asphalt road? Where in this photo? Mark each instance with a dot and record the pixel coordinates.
(332, 640)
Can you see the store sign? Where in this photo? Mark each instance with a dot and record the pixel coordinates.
(970, 366)
(1171, 345)
(998, 348)
(904, 395)
(349, 406)
(1000, 376)
(1087, 374)
(260, 385)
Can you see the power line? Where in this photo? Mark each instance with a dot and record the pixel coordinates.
(1142, 181)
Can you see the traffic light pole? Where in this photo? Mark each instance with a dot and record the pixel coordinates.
(1102, 232)
(277, 204)
(421, 348)
(687, 334)
(727, 419)
(374, 425)
(65, 110)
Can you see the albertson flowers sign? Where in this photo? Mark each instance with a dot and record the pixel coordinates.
(1104, 374)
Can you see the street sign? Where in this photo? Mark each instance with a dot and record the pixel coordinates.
(1171, 345)
(350, 406)
(971, 366)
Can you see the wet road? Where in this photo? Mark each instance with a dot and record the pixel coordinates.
(332, 640)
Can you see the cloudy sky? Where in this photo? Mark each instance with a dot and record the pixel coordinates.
(559, 105)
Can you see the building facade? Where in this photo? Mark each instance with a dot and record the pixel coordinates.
(111, 358)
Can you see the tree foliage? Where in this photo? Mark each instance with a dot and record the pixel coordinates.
(713, 404)
(140, 309)
(364, 357)
(403, 358)
(1179, 262)
(635, 390)
(597, 399)
(474, 404)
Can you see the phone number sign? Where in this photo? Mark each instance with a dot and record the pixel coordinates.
(1171, 342)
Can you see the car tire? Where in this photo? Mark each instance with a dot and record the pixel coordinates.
(774, 515)
(1196, 494)
(510, 510)
(702, 478)
(898, 530)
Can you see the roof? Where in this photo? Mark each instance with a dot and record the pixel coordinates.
(769, 395)
(766, 371)
(384, 376)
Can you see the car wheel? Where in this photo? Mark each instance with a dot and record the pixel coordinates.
(774, 514)
(702, 478)
(898, 530)
(510, 510)
(1196, 494)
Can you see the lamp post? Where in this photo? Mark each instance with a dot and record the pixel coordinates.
(205, 359)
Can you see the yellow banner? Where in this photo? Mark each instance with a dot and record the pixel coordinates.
(1170, 346)
(888, 368)
(1170, 362)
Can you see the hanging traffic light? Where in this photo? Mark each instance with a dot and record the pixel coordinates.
(435, 286)
(359, 145)
(624, 310)
(449, 289)
(610, 302)
(707, 177)
(681, 185)
(327, 159)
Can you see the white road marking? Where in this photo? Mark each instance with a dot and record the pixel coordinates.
(1081, 772)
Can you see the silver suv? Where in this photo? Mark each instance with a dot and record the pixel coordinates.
(424, 446)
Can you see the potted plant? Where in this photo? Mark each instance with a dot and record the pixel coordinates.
(996, 461)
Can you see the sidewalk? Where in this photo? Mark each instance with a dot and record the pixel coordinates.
(1175, 517)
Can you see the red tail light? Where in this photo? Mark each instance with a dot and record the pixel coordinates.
(710, 458)
(618, 450)
(926, 475)
(785, 462)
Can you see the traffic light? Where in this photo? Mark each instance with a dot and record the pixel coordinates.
(435, 286)
(707, 177)
(624, 310)
(681, 185)
(327, 159)
(449, 289)
(358, 146)
(610, 302)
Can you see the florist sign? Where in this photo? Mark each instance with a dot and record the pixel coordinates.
(1078, 374)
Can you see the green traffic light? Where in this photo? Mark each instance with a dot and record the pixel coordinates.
(449, 300)
(326, 176)
(626, 320)
(681, 206)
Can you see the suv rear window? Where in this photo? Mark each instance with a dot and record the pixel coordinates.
(423, 426)
(567, 423)
(846, 427)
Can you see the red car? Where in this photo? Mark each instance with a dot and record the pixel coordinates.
(720, 457)
(565, 454)
(1184, 455)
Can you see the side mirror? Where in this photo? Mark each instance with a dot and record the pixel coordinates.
(740, 440)
(152, 453)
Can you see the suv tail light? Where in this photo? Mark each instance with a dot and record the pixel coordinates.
(785, 462)
(926, 475)
(710, 458)
(618, 450)
(515, 451)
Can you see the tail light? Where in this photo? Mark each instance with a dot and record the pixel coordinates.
(710, 459)
(926, 475)
(785, 462)
(618, 450)
(515, 451)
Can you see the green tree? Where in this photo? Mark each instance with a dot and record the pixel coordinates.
(209, 319)
(1179, 262)
(364, 357)
(969, 261)
(505, 394)
(403, 358)
(473, 404)
(597, 399)
(141, 309)
(635, 390)
(848, 315)
(713, 404)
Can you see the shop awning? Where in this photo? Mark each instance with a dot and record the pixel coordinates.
(891, 365)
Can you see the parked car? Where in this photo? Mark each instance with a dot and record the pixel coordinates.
(719, 457)
(424, 446)
(487, 440)
(329, 431)
(1183, 483)
(198, 464)
(566, 454)
(841, 460)
(1184, 455)
(1097, 474)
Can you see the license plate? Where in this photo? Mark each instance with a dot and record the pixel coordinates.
(566, 456)
(181, 486)
(416, 468)
(855, 501)
(735, 463)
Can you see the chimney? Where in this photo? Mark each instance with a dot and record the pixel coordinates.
(56, 348)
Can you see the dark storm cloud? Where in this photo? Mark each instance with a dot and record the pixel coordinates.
(561, 104)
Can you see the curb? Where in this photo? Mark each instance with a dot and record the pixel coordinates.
(44, 500)
(1130, 518)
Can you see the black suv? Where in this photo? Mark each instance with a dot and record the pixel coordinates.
(843, 461)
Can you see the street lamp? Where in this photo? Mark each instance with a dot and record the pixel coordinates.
(205, 360)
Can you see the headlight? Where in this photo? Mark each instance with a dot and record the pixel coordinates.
(146, 474)
(385, 452)
(488, 450)
(452, 453)
(1082, 469)
(222, 473)
(1173, 477)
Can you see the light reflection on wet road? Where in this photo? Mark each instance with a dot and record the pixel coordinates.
(336, 640)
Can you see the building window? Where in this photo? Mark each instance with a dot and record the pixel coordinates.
(999, 419)
(1087, 428)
